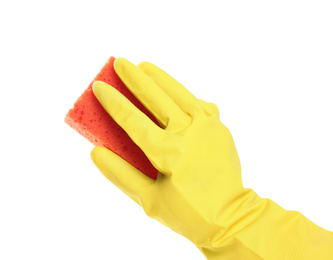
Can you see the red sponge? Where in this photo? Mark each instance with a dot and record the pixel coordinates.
(89, 118)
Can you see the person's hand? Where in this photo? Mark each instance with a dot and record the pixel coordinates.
(198, 192)
(199, 181)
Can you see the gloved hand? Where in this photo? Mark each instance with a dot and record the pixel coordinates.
(198, 193)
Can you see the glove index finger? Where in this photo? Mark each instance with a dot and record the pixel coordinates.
(143, 131)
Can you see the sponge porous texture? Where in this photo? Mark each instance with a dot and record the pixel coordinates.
(89, 118)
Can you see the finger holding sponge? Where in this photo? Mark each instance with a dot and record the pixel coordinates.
(90, 119)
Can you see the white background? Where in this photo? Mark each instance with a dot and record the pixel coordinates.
(266, 64)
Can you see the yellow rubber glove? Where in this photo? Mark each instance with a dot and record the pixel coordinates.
(199, 192)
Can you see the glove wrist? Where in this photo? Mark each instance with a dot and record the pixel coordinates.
(264, 230)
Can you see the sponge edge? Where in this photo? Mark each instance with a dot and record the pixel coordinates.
(89, 118)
